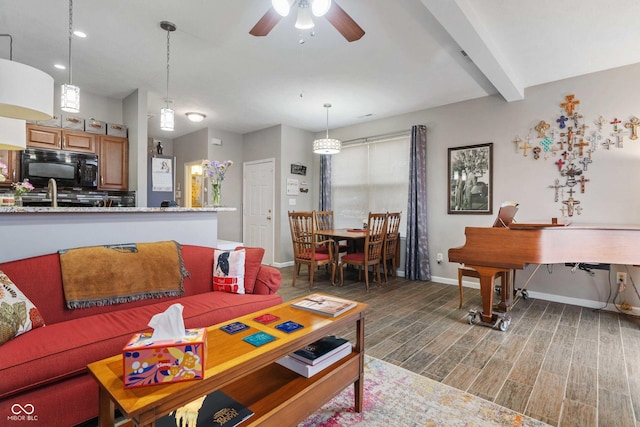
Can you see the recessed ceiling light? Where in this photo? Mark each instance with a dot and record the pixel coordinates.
(80, 34)
(60, 66)
(195, 117)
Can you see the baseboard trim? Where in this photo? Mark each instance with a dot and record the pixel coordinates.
(545, 296)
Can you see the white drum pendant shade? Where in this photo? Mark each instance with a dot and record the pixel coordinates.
(26, 93)
(13, 134)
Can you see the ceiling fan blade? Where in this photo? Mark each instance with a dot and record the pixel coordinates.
(345, 25)
(266, 23)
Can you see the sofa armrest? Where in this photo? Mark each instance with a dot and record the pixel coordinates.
(268, 281)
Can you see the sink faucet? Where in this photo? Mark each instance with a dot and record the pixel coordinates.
(52, 192)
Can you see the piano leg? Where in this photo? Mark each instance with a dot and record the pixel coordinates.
(487, 283)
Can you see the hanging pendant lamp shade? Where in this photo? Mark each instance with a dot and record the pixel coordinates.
(70, 94)
(167, 115)
(327, 145)
(13, 133)
(26, 93)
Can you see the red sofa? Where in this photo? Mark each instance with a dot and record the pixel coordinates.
(46, 367)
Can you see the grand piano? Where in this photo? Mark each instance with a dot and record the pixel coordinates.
(490, 250)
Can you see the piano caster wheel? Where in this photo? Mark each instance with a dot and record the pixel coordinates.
(525, 294)
(474, 317)
(503, 324)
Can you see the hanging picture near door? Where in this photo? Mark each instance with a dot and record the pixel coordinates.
(470, 179)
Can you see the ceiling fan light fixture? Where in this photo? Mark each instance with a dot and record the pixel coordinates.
(320, 7)
(327, 145)
(282, 7)
(195, 117)
(304, 20)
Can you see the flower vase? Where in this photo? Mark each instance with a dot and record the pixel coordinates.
(216, 186)
(17, 200)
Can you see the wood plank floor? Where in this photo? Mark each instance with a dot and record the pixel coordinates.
(562, 364)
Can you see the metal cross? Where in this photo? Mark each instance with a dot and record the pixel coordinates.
(576, 118)
(525, 147)
(608, 143)
(585, 161)
(619, 135)
(556, 186)
(601, 120)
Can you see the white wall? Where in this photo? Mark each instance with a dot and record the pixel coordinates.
(296, 148)
(612, 196)
(230, 223)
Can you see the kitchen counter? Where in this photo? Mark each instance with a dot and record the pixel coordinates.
(33, 231)
(47, 209)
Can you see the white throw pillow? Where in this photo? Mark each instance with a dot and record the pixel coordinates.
(228, 271)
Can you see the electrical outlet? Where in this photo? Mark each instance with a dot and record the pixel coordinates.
(439, 257)
(621, 278)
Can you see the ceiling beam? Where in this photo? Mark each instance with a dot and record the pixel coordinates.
(458, 19)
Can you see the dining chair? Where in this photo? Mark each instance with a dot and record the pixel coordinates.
(371, 256)
(391, 242)
(324, 221)
(305, 244)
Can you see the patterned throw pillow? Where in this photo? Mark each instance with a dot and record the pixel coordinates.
(17, 314)
(228, 271)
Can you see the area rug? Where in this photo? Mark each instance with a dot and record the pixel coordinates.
(394, 396)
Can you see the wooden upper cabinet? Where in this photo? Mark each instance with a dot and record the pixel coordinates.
(114, 163)
(58, 138)
(74, 140)
(44, 137)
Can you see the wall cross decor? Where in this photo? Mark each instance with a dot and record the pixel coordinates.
(567, 134)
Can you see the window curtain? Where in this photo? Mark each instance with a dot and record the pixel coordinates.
(417, 255)
(325, 182)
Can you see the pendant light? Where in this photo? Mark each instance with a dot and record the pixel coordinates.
(70, 94)
(167, 114)
(327, 145)
(26, 93)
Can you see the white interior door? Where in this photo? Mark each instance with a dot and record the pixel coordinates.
(258, 215)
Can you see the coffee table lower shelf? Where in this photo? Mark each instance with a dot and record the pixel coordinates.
(279, 396)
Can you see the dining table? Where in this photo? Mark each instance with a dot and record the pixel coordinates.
(351, 234)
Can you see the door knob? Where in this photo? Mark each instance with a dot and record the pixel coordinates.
(269, 218)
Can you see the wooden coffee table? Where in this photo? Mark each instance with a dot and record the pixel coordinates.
(248, 374)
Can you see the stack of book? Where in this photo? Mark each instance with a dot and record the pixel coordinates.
(317, 356)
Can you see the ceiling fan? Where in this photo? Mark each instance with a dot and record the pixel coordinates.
(336, 16)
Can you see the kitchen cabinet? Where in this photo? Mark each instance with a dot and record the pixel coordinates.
(12, 160)
(61, 139)
(113, 157)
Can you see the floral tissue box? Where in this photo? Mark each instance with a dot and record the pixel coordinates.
(166, 361)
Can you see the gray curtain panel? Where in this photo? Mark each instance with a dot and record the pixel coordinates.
(325, 182)
(417, 255)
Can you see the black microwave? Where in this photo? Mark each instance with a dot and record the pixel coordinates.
(67, 168)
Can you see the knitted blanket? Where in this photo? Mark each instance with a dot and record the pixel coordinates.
(115, 274)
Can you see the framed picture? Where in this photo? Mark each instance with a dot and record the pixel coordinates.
(470, 180)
